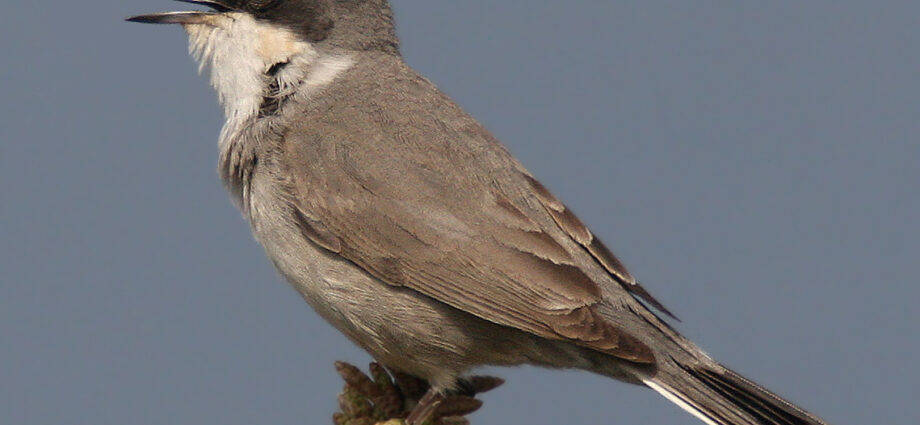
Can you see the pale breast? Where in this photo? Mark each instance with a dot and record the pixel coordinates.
(398, 326)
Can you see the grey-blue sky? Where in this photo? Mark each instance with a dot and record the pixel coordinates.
(756, 165)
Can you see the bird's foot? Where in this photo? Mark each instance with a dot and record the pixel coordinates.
(387, 397)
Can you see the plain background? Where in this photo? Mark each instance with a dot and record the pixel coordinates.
(756, 164)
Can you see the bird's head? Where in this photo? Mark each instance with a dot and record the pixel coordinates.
(250, 44)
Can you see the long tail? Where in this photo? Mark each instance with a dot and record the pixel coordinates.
(719, 396)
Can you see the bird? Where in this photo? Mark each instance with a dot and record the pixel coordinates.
(412, 230)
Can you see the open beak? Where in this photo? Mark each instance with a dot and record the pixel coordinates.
(187, 17)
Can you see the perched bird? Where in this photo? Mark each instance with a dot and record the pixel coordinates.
(412, 230)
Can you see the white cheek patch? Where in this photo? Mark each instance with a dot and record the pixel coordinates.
(238, 51)
(231, 49)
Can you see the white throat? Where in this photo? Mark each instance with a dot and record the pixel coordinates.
(240, 51)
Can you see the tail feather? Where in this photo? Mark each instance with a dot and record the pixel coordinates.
(684, 402)
(719, 396)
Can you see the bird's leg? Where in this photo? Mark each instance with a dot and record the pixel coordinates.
(425, 407)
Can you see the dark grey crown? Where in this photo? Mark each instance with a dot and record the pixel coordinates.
(350, 24)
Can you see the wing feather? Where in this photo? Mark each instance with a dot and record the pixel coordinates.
(568, 221)
(437, 205)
